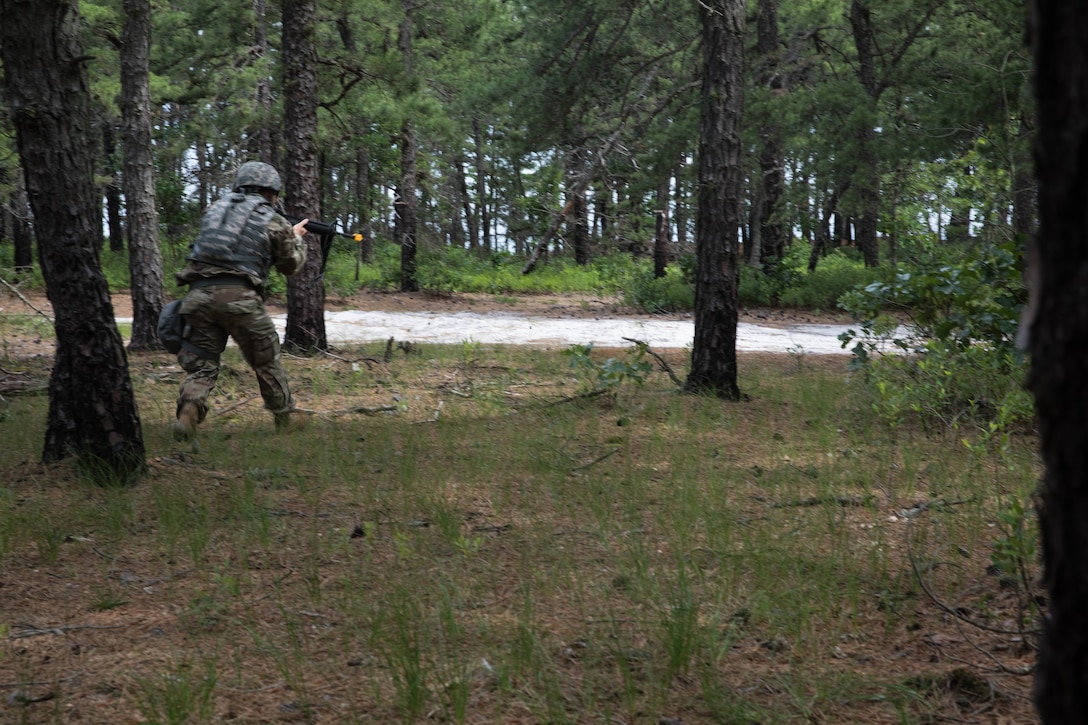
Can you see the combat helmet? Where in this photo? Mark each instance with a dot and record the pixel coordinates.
(258, 174)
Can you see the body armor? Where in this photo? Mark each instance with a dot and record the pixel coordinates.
(234, 235)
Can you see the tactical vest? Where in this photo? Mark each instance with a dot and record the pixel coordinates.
(234, 235)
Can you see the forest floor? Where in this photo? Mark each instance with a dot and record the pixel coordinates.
(49, 664)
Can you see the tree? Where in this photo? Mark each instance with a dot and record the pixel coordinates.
(306, 288)
(92, 406)
(406, 205)
(717, 221)
(1058, 346)
(144, 255)
(767, 234)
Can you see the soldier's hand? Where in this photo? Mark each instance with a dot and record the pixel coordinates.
(300, 228)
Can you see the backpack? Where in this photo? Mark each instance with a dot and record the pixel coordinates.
(171, 329)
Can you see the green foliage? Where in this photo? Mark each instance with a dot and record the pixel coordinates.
(185, 695)
(946, 388)
(671, 293)
(956, 360)
(977, 298)
(1014, 551)
(611, 373)
(788, 283)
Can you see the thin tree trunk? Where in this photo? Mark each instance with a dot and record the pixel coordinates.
(306, 288)
(264, 131)
(113, 188)
(772, 236)
(92, 405)
(466, 206)
(714, 351)
(144, 253)
(362, 192)
(481, 186)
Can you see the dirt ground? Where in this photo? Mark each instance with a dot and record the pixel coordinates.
(996, 697)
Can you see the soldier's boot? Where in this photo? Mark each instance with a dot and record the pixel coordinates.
(290, 420)
(185, 423)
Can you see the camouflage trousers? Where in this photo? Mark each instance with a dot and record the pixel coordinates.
(212, 314)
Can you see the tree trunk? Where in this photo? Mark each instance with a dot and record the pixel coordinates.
(406, 209)
(680, 209)
(867, 172)
(306, 288)
(21, 235)
(264, 132)
(92, 406)
(1059, 345)
(772, 235)
(466, 205)
(113, 188)
(579, 212)
(406, 206)
(362, 193)
(1023, 186)
(661, 230)
(481, 186)
(144, 254)
(714, 352)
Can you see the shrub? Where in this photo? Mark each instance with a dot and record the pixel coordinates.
(671, 293)
(957, 360)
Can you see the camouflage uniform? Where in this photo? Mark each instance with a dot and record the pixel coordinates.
(227, 269)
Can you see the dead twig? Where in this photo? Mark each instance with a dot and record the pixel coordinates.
(239, 404)
(30, 630)
(26, 302)
(820, 500)
(660, 361)
(361, 409)
(580, 396)
(595, 461)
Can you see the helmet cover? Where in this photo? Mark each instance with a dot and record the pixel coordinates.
(258, 173)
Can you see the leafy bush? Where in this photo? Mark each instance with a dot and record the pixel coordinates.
(671, 293)
(956, 358)
(836, 275)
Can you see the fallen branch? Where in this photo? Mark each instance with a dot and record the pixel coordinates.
(660, 361)
(239, 404)
(29, 630)
(595, 461)
(26, 302)
(820, 500)
(346, 411)
(580, 396)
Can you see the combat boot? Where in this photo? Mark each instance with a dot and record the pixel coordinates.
(290, 420)
(185, 424)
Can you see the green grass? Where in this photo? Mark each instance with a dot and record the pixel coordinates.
(487, 553)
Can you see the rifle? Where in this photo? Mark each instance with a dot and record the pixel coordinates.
(321, 229)
(325, 231)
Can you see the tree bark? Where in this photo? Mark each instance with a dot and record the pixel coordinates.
(1059, 345)
(661, 230)
(579, 212)
(92, 407)
(113, 188)
(482, 183)
(772, 234)
(867, 171)
(714, 351)
(22, 236)
(306, 288)
(144, 254)
(406, 210)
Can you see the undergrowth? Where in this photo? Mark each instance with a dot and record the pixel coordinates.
(475, 534)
